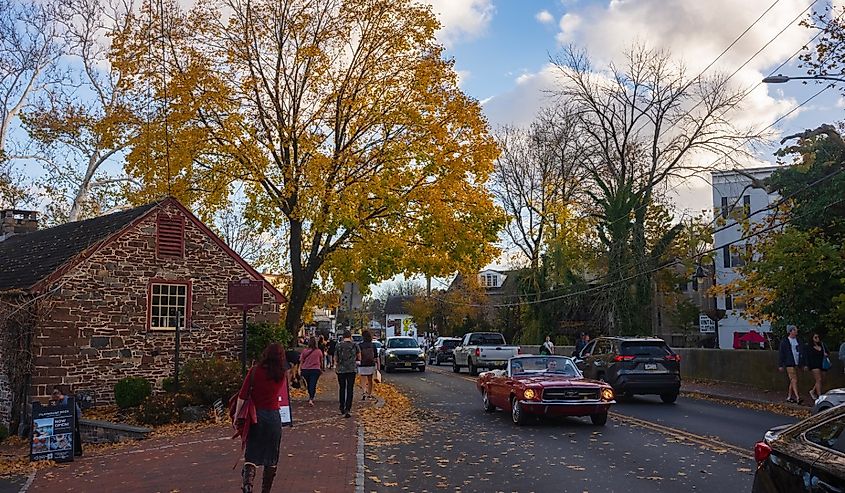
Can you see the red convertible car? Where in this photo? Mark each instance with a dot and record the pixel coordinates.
(544, 386)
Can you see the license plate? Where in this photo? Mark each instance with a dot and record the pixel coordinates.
(651, 366)
(407, 364)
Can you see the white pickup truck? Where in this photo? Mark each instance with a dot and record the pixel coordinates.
(483, 350)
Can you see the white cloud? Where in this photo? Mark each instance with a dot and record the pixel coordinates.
(694, 33)
(568, 25)
(544, 17)
(463, 19)
(463, 76)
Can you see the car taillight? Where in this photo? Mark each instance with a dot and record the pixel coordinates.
(673, 357)
(478, 351)
(620, 357)
(762, 451)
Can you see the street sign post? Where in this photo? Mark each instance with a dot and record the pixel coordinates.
(245, 293)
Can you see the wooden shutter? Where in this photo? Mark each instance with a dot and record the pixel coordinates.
(170, 236)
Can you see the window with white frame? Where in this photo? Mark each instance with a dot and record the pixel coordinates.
(489, 280)
(168, 306)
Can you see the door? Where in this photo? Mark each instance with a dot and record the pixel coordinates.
(601, 357)
(826, 473)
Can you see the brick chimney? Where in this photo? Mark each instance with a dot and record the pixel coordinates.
(17, 222)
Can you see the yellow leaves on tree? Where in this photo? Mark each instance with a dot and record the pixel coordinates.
(341, 119)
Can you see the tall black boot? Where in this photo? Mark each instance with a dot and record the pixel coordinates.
(267, 479)
(248, 475)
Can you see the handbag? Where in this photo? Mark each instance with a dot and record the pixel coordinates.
(377, 377)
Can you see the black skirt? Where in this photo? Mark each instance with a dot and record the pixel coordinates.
(264, 439)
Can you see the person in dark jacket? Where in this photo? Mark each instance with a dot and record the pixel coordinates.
(790, 359)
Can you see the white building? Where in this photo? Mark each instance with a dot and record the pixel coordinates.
(733, 197)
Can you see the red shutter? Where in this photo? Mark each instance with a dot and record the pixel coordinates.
(170, 236)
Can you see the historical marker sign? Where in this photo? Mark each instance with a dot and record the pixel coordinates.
(245, 293)
(52, 428)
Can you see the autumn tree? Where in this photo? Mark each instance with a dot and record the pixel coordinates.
(645, 123)
(341, 118)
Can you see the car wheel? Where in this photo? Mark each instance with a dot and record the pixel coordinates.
(599, 419)
(473, 370)
(669, 398)
(455, 367)
(487, 406)
(517, 415)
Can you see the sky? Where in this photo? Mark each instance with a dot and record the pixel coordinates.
(502, 51)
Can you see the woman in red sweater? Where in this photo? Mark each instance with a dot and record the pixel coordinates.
(263, 387)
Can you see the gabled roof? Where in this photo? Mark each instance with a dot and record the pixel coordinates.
(29, 260)
(396, 305)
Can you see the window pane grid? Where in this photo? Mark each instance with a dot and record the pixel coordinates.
(168, 304)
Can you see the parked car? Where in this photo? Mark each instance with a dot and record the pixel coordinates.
(402, 352)
(544, 386)
(482, 350)
(828, 400)
(442, 350)
(633, 365)
(808, 456)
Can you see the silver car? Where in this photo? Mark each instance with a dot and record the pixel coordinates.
(828, 400)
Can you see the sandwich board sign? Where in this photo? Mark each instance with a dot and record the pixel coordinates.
(51, 436)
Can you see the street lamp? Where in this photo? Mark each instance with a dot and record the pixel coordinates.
(780, 78)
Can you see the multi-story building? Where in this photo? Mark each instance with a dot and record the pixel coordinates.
(734, 198)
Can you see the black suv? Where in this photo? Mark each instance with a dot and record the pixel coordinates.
(633, 365)
(443, 350)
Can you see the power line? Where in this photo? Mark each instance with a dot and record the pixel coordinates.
(650, 271)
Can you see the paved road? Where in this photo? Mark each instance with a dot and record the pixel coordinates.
(646, 446)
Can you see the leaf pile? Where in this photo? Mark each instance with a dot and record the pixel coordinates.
(396, 422)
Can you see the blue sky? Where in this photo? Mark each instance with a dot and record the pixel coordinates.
(502, 48)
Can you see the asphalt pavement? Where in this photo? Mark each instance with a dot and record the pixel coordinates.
(646, 446)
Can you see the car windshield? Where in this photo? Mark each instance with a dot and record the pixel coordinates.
(544, 364)
(657, 349)
(406, 343)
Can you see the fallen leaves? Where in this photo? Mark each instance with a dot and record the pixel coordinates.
(396, 422)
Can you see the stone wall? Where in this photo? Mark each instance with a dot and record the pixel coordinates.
(98, 330)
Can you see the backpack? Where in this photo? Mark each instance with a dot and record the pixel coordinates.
(368, 356)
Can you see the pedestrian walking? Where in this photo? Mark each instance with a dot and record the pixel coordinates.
(261, 394)
(312, 364)
(346, 358)
(59, 398)
(548, 347)
(369, 363)
(293, 365)
(816, 359)
(789, 359)
(330, 352)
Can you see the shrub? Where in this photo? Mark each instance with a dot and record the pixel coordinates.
(259, 335)
(207, 380)
(168, 384)
(159, 409)
(4, 432)
(131, 391)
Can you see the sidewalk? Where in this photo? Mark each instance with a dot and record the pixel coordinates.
(318, 454)
(742, 393)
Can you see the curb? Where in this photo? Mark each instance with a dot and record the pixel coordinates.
(796, 407)
(359, 473)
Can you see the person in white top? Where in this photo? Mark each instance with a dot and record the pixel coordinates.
(548, 346)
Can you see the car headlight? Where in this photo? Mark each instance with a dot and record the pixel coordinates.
(421, 355)
(391, 356)
(529, 394)
(607, 394)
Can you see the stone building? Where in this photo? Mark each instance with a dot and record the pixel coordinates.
(87, 303)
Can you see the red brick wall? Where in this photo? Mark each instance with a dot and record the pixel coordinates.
(96, 332)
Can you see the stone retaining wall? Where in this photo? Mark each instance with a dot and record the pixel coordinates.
(105, 432)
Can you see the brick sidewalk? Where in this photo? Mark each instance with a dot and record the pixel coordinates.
(319, 454)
